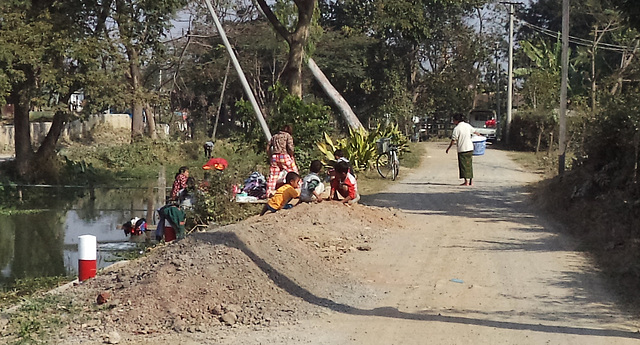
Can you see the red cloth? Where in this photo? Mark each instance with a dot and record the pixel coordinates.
(216, 163)
(490, 123)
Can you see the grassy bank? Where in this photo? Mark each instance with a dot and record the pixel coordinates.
(370, 182)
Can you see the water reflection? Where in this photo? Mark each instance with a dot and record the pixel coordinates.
(45, 243)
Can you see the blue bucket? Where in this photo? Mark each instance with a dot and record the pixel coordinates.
(479, 145)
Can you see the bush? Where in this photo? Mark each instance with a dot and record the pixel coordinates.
(360, 146)
(309, 121)
(611, 140)
(529, 126)
(216, 204)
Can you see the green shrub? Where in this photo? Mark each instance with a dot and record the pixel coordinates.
(360, 147)
(529, 126)
(611, 139)
(309, 120)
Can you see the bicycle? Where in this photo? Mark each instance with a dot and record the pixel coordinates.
(387, 163)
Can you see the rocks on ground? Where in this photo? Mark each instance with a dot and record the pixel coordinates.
(266, 270)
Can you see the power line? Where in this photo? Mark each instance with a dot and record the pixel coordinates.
(577, 40)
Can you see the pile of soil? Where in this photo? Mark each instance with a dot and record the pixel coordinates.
(268, 270)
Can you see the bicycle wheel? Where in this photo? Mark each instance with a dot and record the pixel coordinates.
(384, 165)
(395, 166)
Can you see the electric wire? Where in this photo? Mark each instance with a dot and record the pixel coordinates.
(577, 40)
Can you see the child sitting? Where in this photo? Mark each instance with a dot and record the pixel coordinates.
(284, 194)
(345, 185)
(339, 157)
(312, 186)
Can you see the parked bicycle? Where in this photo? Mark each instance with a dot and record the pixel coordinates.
(387, 163)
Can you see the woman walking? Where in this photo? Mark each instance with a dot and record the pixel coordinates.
(280, 150)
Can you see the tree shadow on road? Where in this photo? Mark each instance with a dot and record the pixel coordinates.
(230, 239)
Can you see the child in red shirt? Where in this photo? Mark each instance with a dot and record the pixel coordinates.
(344, 185)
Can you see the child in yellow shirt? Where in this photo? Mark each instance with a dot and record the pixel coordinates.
(284, 194)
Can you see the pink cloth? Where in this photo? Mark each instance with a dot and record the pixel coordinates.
(279, 162)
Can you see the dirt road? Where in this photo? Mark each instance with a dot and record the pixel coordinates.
(478, 266)
(468, 265)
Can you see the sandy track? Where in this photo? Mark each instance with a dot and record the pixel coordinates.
(518, 280)
(522, 281)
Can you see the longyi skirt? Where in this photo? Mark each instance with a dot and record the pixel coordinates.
(465, 165)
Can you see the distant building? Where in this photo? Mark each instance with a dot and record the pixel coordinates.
(76, 101)
(488, 100)
(7, 111)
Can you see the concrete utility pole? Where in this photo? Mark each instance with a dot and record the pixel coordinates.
(512, 11)
(498, 105)
(562, 137)
(243, 79)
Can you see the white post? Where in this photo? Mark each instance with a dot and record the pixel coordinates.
(87, 255)
(510, 75)
(236, 64)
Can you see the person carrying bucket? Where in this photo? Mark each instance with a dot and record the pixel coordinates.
(461, 136)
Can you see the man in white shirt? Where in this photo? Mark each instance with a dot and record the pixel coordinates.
(461, 136)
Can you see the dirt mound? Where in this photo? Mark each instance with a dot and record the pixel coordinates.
(266, 270)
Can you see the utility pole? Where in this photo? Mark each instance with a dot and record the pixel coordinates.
(562, 137)
(498, 86)
(512, 10)
(236, 65)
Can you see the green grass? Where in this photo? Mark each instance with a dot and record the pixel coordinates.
(370, 182)
(22, 288)
(39, 320)
(412, 158)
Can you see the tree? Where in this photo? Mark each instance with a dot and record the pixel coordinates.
(296, 39)
(422, 46)
(140, 27)
(44, 53)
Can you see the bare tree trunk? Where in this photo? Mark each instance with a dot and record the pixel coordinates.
(292, 75)
(346, 111)
(47, 149)
(636, 144)
(151, 121)
(594, 85)
(137, 125)
(24, 150)
(539, 140)
(224, 86)
(625, 62)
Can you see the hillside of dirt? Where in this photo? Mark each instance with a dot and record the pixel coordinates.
(270, 270)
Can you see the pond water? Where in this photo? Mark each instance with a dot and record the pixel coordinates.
(44, 241)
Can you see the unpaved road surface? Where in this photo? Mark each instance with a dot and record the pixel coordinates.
(518, 279)
(468, 265)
